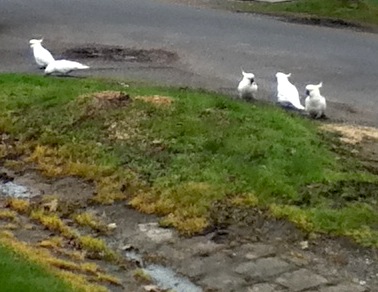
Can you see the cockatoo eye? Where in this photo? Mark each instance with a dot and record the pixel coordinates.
(307, 92)
(252, 80)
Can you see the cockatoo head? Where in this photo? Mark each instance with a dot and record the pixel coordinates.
(313, 89)
(282, 76)
(34, 42)
(249, 76)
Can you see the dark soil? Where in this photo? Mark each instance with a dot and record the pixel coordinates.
(121, 54)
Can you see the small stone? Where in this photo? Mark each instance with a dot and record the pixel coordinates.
(204, 249)
(263, 268)
(127, 247)
(151, 288)
(345, 287)
(112, 226)
(123, 84)
(258, 250)
(156, 233)
(304, 244)
(300, 280)
(192, 267)
(223, 281)
(263, 287)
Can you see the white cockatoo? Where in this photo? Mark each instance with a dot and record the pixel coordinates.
(64, 67)
(41, 55)
(287, 93)
(315, 103)
(247, 87)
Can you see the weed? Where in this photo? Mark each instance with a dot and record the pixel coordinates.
(97, 247)
(11, 226)
(76, 255)
(142, 276)
(108, 190)
(89, 268)
(53, 242)
(8, 215)
(53, 223)
(88, 219)
(101, 277)
(18, 205)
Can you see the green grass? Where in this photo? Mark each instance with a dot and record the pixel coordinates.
(17, 274)
(177, 160)
(357, 11)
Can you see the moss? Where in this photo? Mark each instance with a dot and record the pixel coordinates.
(294, 214)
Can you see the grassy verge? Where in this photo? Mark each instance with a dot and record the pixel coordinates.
(18, 274)
(355, 11)
(177, 152)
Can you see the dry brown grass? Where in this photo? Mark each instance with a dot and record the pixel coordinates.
(102, 277)
(8, 215)
(88, 219)
(98, 101)
(97, 247)
(53, 223)
(352, 134)
(108, 190)
(52, 242)
(10, 226)
(156, 99)
(65, 270)
(18, 205)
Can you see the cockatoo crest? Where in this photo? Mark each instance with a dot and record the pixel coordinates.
(247, 87)
(247, 75)
(35, 41)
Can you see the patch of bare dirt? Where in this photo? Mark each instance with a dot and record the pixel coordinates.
(121, 54)
(360, 142)
(352, 134)
(156, 99)
(104, 100)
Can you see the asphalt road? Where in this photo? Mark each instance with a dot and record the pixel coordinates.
(212, 45)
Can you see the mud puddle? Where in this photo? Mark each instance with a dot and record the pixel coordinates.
(121, 54)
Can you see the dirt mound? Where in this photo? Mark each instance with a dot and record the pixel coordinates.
(104, 100)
